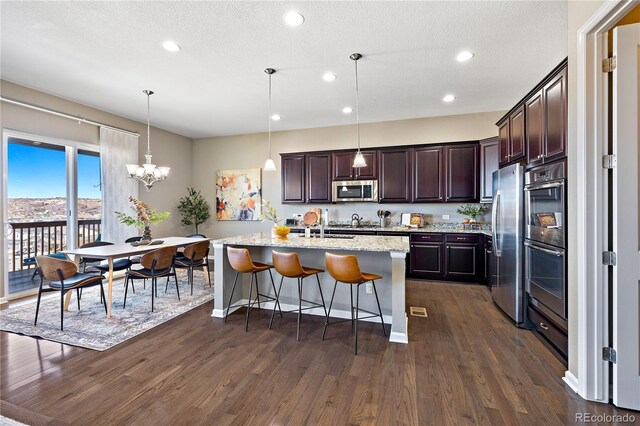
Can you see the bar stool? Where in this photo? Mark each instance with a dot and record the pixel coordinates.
(288, 265)
(241, 262)
(345, 269)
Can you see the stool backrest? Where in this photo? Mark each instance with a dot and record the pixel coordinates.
(343, 267)
(197, 251)
(287, 264)
(49, 267)
(163, 258)
(240, 259)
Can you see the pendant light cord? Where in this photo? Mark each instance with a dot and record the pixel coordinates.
(357, 106)
(269, 118)
(148, 93)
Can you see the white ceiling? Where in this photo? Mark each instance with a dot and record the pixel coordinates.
(103, 54)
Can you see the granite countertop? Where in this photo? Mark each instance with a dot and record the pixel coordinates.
(427, 229)
(370, 243)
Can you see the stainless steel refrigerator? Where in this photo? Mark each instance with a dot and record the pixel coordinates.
(507, 228)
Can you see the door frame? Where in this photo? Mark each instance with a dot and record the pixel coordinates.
(591, 317)
(71, 169)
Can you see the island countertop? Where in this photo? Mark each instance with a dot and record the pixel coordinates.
(369, 243)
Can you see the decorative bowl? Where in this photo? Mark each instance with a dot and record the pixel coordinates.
(280, 231)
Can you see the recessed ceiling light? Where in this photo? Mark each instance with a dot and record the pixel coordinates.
(329, 76)
(347, 110)
(170, 46)
(293, 18)
(464, 56)
(448, 98)
(275, 117)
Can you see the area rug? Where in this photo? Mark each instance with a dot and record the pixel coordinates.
(89, 326)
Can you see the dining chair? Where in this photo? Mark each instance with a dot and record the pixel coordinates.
(155, 264)
(195, 256)
(63, 277)
(101, 264)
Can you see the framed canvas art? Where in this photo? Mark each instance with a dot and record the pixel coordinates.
(238, 194)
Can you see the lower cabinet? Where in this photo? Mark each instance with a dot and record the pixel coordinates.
(452, 257)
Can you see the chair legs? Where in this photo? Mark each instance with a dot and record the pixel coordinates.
(246, 324)
(233, 289)
(277, 299)
(38, 304)
(62, 308)
(326, 322)
(384, 330)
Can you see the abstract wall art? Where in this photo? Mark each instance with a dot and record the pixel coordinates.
(238, 194)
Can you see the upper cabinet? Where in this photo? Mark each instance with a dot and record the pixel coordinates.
(462, 173)
(318, 178)
(293, 178)
(428, 174)
(394, 183)
(536, 129)
(488, 165)
(343, 166)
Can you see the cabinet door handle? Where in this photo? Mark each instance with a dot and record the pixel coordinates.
(544, 327)
(540, 156)
(460, 238)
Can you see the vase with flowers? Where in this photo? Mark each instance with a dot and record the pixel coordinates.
(270, 213)
(142, 218)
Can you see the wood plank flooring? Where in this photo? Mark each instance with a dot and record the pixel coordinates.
(465, 364)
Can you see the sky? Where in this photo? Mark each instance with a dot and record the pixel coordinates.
(38, 172)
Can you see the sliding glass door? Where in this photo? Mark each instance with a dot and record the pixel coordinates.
(53, 201)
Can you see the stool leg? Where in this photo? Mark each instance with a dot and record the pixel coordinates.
(326, 322)
(233, 289)
(258, 292)
(321, 296)
(299, 307)
(357, 311)
(274, 290)
(246, 324)
(384, 330)
(351, 294)
(273, 312)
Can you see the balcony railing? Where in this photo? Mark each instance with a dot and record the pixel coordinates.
(30, 239)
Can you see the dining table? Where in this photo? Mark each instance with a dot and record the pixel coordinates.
(117, 251)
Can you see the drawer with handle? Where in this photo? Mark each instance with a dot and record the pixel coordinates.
(549, 330)
(426, 237)
(463, 238)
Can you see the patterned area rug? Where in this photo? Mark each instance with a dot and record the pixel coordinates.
(89, 326)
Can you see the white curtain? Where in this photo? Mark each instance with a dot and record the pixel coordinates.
(116, 150)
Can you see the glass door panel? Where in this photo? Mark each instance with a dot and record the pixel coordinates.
(89, 197)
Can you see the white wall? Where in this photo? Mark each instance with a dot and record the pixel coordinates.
(250, 151)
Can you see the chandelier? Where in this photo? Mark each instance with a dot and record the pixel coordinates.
(148, 173)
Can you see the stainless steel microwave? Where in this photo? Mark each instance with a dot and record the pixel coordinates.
(355, 190)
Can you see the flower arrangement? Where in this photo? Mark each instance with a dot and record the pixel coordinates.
(144, 217)
(270, 213)
(473, 210)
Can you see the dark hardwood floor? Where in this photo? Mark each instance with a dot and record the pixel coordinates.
(465, 364)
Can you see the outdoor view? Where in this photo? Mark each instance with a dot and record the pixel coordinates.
(37, 201)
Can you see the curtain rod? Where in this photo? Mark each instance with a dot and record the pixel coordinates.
(63, 115)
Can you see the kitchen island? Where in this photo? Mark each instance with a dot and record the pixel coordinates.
(382, 255)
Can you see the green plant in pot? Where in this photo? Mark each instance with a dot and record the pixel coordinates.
(143, 218)
(194, 209)
(472, 211)
(270, 213)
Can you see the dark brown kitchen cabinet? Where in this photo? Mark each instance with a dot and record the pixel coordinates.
(535, 129)
(318, 179)
(394, 184)
(426, 260)
(488, 165)
(555, 116)
(461, 260)
(293, 178)
(428, 174)
(504, 141)
(462, 184)
(343, 166)
(517, 125)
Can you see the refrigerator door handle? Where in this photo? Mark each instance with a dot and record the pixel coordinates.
(494, 224)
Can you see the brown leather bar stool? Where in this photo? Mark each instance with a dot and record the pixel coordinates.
(345, 269)
(241, 262)
(288, 265)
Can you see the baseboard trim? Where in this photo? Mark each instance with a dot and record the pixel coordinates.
(571, 380)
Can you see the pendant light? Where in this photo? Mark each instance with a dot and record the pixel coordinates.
(358, 161)
(148, 173)
(269, 165)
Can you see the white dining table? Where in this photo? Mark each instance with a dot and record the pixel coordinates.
(118, 251)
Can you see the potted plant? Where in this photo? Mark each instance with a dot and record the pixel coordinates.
(270, 213)
(473, 211)
(143, 218)
(194, 209)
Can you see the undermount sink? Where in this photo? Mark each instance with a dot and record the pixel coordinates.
(343, 237)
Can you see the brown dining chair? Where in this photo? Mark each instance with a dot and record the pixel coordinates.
(155, 264)
(288, 265)
(63, 276)
(195, 256)
(241, 262)
(345, 269)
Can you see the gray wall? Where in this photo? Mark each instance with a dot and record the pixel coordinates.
(250, 151)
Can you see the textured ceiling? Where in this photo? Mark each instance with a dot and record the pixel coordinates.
(103, 54)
